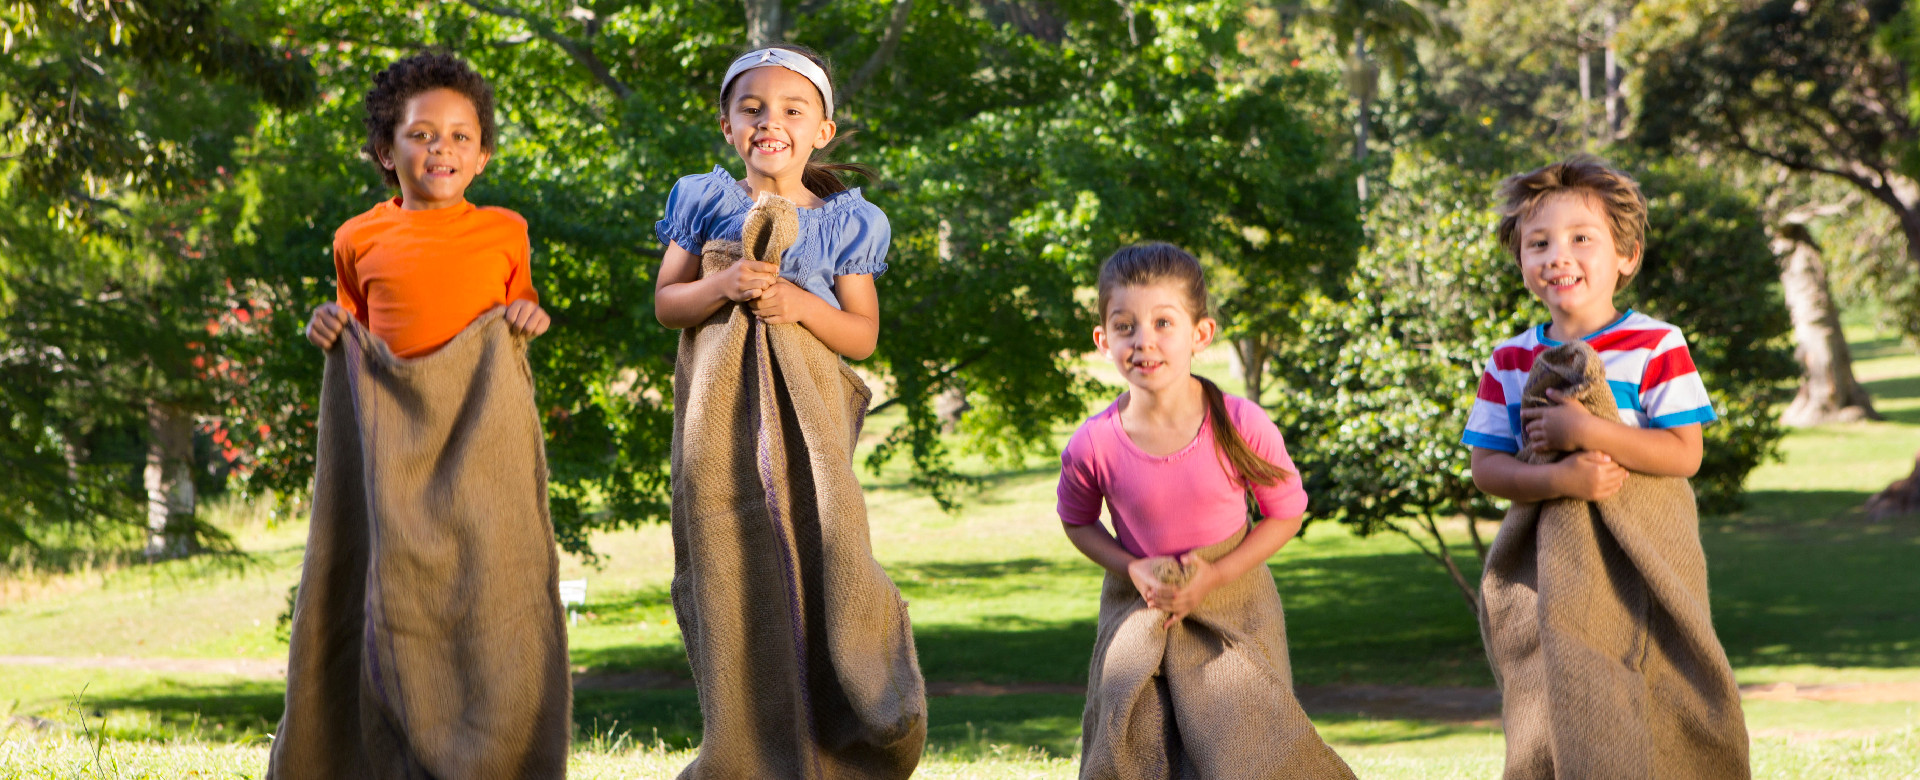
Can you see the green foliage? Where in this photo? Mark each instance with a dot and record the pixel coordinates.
(1706, 246)
(1379, 388)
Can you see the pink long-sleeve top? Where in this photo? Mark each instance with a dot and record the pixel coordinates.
(1170, 504)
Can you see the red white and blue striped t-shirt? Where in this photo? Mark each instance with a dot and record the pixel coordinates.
(1648, 365)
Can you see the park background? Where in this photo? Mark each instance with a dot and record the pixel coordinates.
(172, 171)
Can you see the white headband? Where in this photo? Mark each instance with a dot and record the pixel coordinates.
(790, 60)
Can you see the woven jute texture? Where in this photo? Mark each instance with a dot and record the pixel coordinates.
(1595, 617)
(799, 643)
(1211, 697)
(427, 639)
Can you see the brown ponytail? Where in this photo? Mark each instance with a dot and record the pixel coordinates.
(1160, 263)
(820, 178)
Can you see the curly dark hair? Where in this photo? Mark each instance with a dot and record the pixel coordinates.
(423, 72)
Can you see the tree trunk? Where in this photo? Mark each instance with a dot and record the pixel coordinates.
(1362, 86)
(765, 22)
(1616, 119)
(1900, 498)
(1828, 390)
(1248, 358)
(169, 482)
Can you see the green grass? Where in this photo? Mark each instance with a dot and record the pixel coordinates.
(1805, 590)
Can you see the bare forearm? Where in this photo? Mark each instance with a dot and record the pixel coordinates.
(687, 304)
(1260, 544)
(1093, 541)
(1503, 475)
(1659, 452)
(846, 333)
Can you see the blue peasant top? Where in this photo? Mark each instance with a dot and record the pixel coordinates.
(847, 235)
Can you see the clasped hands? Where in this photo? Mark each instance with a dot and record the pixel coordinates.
(758, 285)
(1567, 426)
(1177, 601)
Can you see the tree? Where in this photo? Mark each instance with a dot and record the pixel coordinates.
(1815, 88)
(1364, 28)
(119, 127)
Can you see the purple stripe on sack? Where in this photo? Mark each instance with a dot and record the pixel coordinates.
(789, 567)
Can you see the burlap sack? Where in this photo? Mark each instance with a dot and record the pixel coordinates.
(1211, 697)
(1595, 617)
(799, 643)
(427, 639)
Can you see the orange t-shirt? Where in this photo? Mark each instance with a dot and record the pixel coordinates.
(418, 278)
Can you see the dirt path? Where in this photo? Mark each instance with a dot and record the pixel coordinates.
(1456, 705)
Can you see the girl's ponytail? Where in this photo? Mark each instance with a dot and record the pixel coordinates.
(1242, 460)
(823, 178)
(1148, 264)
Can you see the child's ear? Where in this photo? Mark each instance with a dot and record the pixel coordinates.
(1203, 333)
(485, 157)
(384, 155)
(827, 129)
(1100, 338)
(1632, 263)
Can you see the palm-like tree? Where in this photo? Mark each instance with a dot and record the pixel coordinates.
(1389, 27)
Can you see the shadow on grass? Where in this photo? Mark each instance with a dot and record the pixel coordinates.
(1889, 346)
(1805, 578)
(226, 712)
(985, 486)
(1365, 731)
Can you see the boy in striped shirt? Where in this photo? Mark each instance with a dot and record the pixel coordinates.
(1578, 230)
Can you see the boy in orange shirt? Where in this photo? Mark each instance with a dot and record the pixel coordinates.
(416, 270)
(427, 636)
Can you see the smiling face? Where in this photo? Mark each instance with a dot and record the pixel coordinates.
(436, 150)
(775, 119)
(1150, 336)
(1571, 263)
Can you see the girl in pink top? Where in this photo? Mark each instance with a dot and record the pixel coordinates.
(1188, 600)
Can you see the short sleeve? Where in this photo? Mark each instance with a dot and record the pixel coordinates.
(520, 279)
(1490, 422)
(1286, 499)
(864, 239)
(1079, 492)
(347, 278)
(1671, 392)
(689, 208)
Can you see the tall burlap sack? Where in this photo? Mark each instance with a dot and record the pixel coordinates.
(1595, 618)
(799, 643)
(1211, 697)
(427, 639)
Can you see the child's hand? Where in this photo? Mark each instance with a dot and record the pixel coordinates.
(1203, 578)
(526, 317)
(745, 280)
(782, 302)
(324, 329)
(1590, 476)
(1561, 427)
(1150, 586)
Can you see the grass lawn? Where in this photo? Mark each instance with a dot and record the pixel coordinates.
(1805, 591)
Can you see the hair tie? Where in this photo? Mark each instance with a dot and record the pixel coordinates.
(791, 60)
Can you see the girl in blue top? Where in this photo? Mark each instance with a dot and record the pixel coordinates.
(776, 110)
